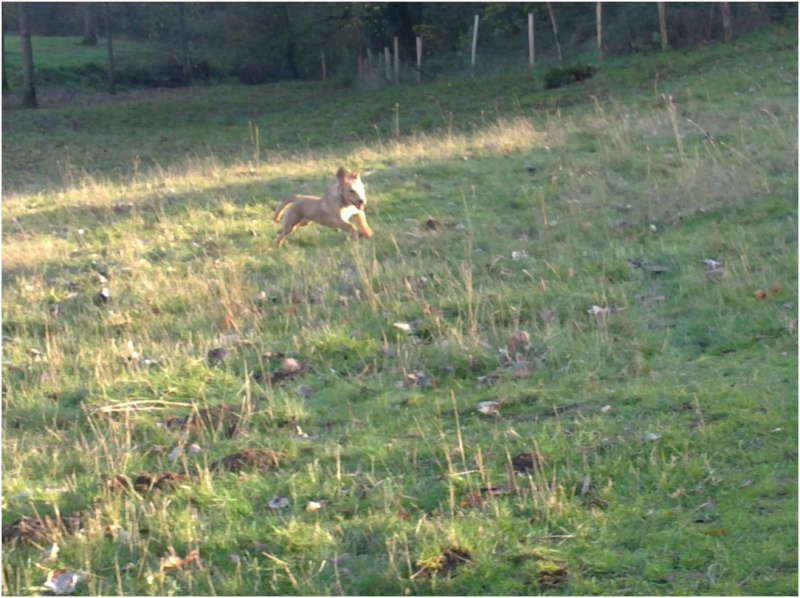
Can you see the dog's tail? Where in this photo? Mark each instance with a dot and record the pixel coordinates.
(282, 208)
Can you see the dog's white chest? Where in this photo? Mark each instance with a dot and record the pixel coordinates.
(348, 212)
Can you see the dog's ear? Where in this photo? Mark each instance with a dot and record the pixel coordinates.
(342, 174)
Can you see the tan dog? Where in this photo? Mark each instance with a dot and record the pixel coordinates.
(342, 201)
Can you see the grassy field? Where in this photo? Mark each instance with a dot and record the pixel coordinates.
(552, 251)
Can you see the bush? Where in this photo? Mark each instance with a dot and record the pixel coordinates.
(560, 76)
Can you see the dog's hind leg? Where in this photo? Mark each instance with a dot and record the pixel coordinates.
(290, 223)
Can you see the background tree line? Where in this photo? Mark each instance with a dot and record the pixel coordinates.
(262, 42)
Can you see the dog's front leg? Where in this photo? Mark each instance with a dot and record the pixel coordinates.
(361, 223)
(347, 227)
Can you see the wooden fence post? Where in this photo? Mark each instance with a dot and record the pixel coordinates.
(419, 60)
(474, 40)
(396, 61)
(388, 63)
(531, 51)
(322, 60)
(600, 31)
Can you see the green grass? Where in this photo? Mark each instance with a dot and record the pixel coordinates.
(597, 183)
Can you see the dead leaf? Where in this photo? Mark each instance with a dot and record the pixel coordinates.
(35, 354)
(173, 561)
(278, 502)
(315, 505)
(529, 461)
(291, 366)
(217, 355)
(433, 224)
(596, 310)
(652, 437)
(489, 407)
(487, 380)
(290, 369)
(62, 582)
(761, 295)
(418, 379)
(712, 264)
(472, 501)
(194, 449)
(519, 255)
(520, 340)
(404, 326)
(51, 554)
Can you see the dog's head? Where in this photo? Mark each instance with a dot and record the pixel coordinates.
(351, 188)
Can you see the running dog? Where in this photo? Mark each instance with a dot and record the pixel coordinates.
(342, 201)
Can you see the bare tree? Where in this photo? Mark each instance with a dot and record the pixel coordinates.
(28, 83)
(3, 33)
(112, 88)
(89, 24)
(555, 29)
(187, 63)
(662, 25)
(725, 10)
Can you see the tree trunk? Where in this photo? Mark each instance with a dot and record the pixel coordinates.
(555, 29)
(291, 58)
(662, 25)
(28, 83)
(725, 10)
(112, 88)
(600, 31)
(89, 24)
(5, 78)
(187, 63)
